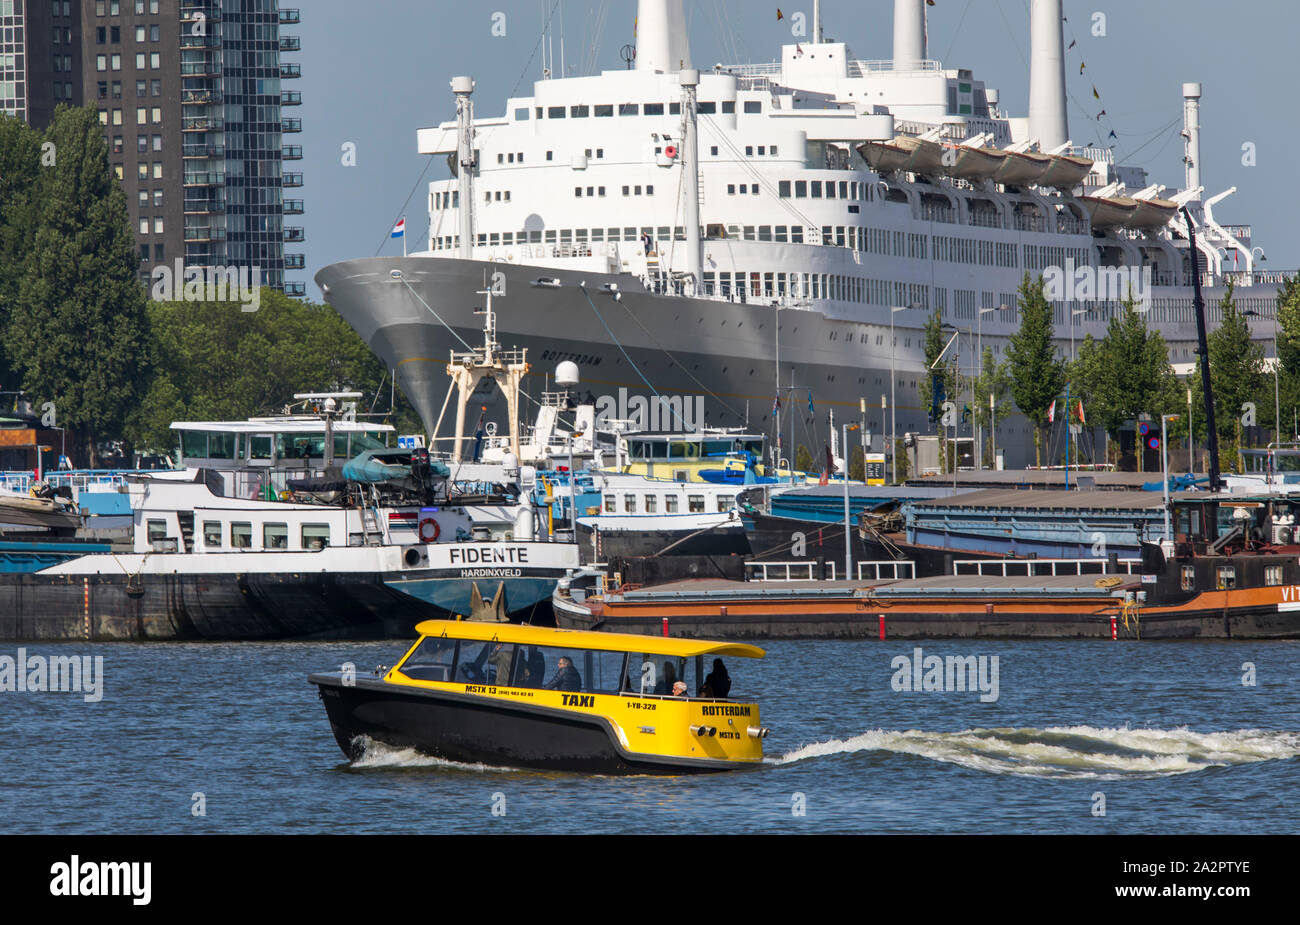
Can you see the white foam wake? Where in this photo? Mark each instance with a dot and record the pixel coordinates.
(1070, 751)
(379, 755)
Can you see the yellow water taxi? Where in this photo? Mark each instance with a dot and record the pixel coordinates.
(533, 697)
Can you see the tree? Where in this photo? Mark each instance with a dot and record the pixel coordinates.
(76, 332)
(1236, 374)
(215, 362)
(803, 460)
(20, 155)
(993, 382)
(1037, 376)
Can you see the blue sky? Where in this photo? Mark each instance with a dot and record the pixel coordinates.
(374, 72)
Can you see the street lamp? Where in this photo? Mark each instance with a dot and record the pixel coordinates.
(893, 383)
(1164, 465)
(848, 549)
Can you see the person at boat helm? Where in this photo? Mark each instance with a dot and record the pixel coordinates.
(717, 680)
(679, 689)
(502, 659)
(566, 676)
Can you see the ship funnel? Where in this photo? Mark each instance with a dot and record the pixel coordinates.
(909, 34)
(1192, 136)
(1047, 75)
(661, 41)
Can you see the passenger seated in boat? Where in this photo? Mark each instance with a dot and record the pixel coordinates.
(679, 689)
(717, 681)
(566, 677)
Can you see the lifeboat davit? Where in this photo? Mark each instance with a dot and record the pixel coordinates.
(1109, 211)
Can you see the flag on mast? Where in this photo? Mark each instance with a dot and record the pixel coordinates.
(1051, 412)
(1081, 418)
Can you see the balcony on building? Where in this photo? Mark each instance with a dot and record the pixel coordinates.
(294, 234)
(291, 153)
(289, 17)
(290, 98)
(200, 64)
(208, 10)
(202, 122)
(297, 290)
(201, 96)
(203, 178)
(204, 233)
(295, 261)
(290, 126)
(291, 180)
(290, 43)
(189, 150)
(201, 205)
(290, 71)
(293, 207)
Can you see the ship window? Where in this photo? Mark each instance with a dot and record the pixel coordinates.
(729, 107)
(221, 446)
(650, 504)
(695, 504)
(764, 232)
(315, 536)
(830, 189)
(577, 191)
(731, 189)
(604, 112)
(707, 109)
(800, 189)
(432, 659)
(654, 109)
(816, 189)
(771, 149)
(611, 504)
(783, 189)
(628, 109)
(752, 106)
(650, 190)
(725, 503)
(194, 443)
(275, 536)
(241, 536)
(1227, 577)
(548, 154)
(670, 504)
(629, 504)
(157, 530)
(212, 534)
(749, 150)
(579, 112)
(629, 234)
(681, 449)
(674, 109)
(781, 235)
(521, 114)
(539, 112)
(1272, 574)
(761, 150)
(796, 234)
(555, 112)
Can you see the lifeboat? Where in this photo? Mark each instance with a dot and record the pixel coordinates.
(884, 156)
(976, 163)
(925, 157)
(1021, 168)
(565, 700)
(1109, 211)
(1153, 213)
(1065, 171)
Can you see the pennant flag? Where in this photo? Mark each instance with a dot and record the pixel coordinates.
(1071, 45)
(1051, 411)
(1100, 114)
(798, 48)
(1112, 134)
(1082, 419)
(929, 2)
(1095, 94)
(776, 406)
(810, 404)
(399, 229)
(1081, 66)
(831, 468)
(779, 15)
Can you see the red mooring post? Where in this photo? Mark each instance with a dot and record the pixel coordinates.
(1114, 629)
(882, 627)
(666, 626)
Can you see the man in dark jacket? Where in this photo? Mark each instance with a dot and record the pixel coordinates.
(566, 677)
(717, 680)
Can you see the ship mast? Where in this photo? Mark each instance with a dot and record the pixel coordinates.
(690, 79)
(463, 87)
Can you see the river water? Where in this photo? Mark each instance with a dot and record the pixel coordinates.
(1076, 737)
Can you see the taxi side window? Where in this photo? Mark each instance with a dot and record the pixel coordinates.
(432, 660)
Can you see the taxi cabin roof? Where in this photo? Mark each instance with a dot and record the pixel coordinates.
(585, 639)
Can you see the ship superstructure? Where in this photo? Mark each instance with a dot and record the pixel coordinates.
(788, 227)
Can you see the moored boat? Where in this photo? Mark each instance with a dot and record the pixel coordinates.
(525, 696)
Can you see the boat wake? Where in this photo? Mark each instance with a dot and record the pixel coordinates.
(377, 755)
(1078, 752)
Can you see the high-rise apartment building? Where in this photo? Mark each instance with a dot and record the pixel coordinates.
(190, 96)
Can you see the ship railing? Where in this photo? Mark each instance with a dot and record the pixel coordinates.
(788, 571)
(1007, 568)
(20, 482)
(862, 68)
(886, 569)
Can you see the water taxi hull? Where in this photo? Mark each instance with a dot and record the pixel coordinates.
(472, 729)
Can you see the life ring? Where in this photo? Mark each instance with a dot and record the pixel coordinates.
(429, 530)
(670, 152)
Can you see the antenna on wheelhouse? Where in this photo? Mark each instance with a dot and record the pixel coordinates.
(463, 87)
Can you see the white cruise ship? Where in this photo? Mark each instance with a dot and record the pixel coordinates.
(730, 231)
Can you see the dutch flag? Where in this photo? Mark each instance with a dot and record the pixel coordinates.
(399, 230)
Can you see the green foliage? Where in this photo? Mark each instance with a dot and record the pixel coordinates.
(1124, 374)
(1037, 377)
(934, 337)
(75, 331)
(857, 463)
(20, 151)
(803, 460)
(1288, 320)
(216, 362)
(1236, 372)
